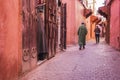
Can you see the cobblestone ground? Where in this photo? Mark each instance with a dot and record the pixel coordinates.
(96, 62)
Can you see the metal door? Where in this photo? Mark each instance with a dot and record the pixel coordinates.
(28, 35)
(51, 26)
(63, 27)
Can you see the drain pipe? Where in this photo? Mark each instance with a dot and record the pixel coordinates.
(118, 37)
(119, 26)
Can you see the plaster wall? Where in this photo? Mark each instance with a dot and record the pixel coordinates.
(10, 42)
(74, 19)
(115, 24)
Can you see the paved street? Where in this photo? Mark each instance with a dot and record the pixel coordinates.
(96, 62)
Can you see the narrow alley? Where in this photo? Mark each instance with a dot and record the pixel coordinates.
(59, 39)
(96, 62)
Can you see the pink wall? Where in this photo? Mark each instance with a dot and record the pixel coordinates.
(70, 21)
(74, 18)
(115, 24)
(9, 39)
(88, 24)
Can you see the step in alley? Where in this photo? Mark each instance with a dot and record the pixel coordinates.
(95, 62)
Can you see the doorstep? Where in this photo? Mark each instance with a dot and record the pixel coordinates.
(41, 62)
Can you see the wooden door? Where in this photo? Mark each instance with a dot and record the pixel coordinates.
(29, 57)
(63, 27)
(51, 26)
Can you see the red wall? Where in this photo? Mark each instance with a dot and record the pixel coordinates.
(74, 18)
(9, 39)
(88, 24)
(70, 20)
(115, 24)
